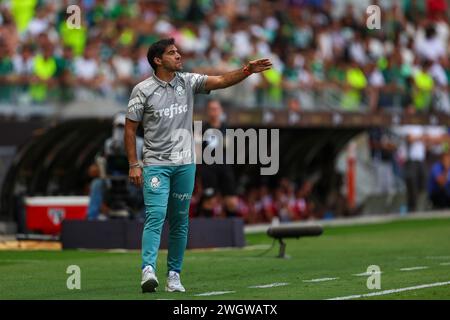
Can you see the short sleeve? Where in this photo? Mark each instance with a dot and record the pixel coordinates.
(135, 105)
(197, 82)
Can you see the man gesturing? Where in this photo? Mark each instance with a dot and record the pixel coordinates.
(164, 105)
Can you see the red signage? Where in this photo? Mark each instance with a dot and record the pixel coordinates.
(45, 214)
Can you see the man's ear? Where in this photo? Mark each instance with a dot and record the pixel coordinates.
(157, 60)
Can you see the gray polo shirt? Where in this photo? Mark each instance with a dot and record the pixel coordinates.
(166, 109)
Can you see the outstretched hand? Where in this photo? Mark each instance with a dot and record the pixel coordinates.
(260, 65)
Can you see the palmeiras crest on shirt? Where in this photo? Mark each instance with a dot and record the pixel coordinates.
(180, 90)
(56, 215)
(155, 182)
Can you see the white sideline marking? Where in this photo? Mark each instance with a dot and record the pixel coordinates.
(119, 250)
(445, 264)
(438, 257)
(367, 274)
(414, 268)
(363, 220)
(23, 260)
(257, 247)
(384, 292)
(270, 285)
(213, 293)
(320, 280)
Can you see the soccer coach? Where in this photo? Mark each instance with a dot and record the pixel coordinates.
(164, 104)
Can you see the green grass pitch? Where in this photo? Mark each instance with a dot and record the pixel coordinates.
(341, 252)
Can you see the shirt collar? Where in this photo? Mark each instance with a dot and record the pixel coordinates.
(164, 83)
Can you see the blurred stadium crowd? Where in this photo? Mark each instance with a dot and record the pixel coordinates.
(323, 57)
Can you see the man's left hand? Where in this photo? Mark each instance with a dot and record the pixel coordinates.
(256, 66)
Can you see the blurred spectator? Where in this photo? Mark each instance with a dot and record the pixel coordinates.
(417, 141)
(423, 86)
(382, 150)
(23, 12)
(65, 73)
(123, 67)
(356, 82)
(285, 212)
(218, 177)
(430, 47)
(23, 62)
(437, 137)
(143, 69)
(294, 109)
(6, 73)
(441, 95)
(265, 204)
(40, 23)
(376, 83)
(270, 88)
(291, 76)
(24, 68)
(396, 77)
(439, 182)
(304, 204)
(87, 70)
(8, 31)
(44, 68)
(415, 167)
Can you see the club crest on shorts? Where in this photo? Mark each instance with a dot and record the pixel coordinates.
(155, 182)
(180, 90)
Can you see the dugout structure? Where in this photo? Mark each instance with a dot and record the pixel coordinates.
(53, 157)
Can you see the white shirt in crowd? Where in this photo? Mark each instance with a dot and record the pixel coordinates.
(22, 66)
(438, 74)
(86, 68)
(430, 49)
(416, 150)
(37, 26)
(376, 79)
(123, 66)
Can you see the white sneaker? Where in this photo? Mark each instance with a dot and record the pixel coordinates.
(174, 283)
(149, 281)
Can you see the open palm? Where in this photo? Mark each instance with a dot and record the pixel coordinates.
(259, 65)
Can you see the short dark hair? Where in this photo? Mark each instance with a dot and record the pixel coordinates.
(157, 49)
(211, 100)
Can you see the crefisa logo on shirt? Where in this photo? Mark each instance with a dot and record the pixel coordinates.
(173, 110)
(180, 90)
(155, 182)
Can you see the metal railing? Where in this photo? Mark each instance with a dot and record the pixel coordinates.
(47, 99)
